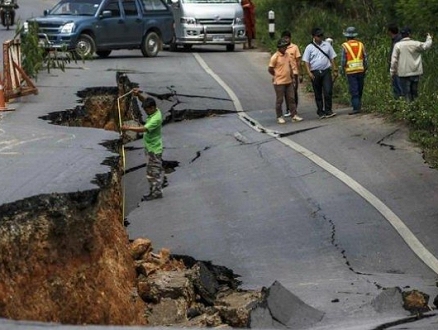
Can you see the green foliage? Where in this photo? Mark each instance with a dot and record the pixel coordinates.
(370, 17)
(36, 58)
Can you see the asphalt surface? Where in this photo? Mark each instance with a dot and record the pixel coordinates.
(242, 196)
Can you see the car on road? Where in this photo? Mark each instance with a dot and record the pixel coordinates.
(85, 27)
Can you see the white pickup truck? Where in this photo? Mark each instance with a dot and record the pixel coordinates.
(207, 22)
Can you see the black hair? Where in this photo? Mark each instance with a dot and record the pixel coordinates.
(286, 33)
(149, 102)
(393, 28)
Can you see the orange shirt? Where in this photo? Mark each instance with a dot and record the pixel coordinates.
(283, 67)
(295, 54)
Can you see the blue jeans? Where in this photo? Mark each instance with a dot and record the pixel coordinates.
(410, 87)
(323, 90)
(396, 87)
(356, 83)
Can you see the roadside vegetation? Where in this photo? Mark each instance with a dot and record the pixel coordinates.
(370, 17)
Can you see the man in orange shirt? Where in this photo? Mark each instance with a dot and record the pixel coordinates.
(282, 69)
(295, 54)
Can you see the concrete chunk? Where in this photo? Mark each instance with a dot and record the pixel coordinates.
(282, 309)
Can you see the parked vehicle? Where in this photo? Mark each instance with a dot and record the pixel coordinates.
(7, 12)
(207, 22)
(86, 27)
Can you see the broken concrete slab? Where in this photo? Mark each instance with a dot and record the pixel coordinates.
(280, 308)
(389, 300)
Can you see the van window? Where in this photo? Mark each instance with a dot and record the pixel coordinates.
(210, 1)
(154, 5)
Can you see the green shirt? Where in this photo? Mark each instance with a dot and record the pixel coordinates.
(152, 137)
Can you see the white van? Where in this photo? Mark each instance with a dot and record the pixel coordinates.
(207, 22)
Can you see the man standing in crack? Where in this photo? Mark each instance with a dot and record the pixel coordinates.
(153, 145)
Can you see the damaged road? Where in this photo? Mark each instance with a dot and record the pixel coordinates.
(239, 195)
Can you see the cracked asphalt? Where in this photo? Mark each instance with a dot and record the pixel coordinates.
(297, 204)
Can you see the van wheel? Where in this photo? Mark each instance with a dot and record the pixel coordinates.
(230, 48)
(85, 46)
(103, 53)
(151, 45)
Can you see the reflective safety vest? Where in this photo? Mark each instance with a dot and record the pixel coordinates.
(355, 56)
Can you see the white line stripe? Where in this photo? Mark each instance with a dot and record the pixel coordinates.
(229, 91)
(411, 240)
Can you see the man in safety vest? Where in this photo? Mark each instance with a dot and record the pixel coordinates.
(354, 64)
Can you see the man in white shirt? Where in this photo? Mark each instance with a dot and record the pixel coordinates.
(406, 62)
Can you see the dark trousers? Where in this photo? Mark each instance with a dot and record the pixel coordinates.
(396, 87)
(285, 92)
(409, 87)
(323, 90)
(355, 85)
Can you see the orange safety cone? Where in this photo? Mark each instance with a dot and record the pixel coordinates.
(2, 99)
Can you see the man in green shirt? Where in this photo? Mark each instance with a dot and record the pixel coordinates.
(153, 145)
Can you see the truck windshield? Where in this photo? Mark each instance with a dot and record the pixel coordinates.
(210, 1)
(76, 7)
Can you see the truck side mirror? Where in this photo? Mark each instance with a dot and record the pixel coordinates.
(106, 13)
(46, 12)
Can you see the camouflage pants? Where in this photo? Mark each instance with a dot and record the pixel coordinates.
(154, 173)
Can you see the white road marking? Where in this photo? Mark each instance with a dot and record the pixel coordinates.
(411, 240)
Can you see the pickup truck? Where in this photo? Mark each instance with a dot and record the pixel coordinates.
(85, 27)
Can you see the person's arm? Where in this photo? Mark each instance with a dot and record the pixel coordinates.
(137, 92)
(394, 61)
(138, 129)
(309, 73)
(271, 71)
(428, 43)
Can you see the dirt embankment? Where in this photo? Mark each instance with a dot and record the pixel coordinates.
(65, 257)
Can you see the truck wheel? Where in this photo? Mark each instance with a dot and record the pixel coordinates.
(103, 53)
(230, 48)
(85, 46)
(150, 45)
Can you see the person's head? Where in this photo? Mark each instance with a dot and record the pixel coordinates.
(286, 35)
(282, 45)
(392, 29)
(350, 32)
(405, 32)
(317, 34)
(149, 105)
